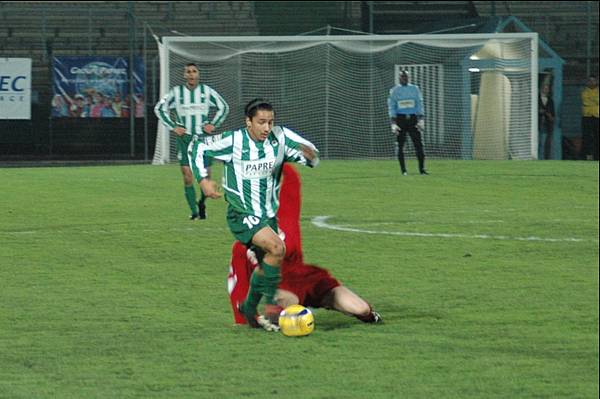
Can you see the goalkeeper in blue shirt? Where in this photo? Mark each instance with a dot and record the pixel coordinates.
(405, 106)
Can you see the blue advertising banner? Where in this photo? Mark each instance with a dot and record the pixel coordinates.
(97, 87)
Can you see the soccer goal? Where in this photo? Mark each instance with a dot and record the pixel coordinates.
(479, 90)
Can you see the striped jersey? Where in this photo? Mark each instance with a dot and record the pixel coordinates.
(191, 108)
(252, 169)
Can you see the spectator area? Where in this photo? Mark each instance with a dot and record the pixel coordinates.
(39, 30)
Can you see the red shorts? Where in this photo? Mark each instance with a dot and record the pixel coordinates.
(309, 283)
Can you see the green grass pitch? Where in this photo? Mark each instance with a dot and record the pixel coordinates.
(485, 272)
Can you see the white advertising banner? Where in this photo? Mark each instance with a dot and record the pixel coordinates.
(15, 88)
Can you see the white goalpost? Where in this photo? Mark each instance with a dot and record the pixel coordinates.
(480, 90)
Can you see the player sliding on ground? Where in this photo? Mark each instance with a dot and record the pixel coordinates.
(253, 158)
(303, 284)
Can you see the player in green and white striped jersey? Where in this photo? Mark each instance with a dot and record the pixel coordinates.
(185, 111)
(253, 159)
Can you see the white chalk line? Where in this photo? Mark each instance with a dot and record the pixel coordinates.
(321, 222)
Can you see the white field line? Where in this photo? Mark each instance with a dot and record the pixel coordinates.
(321, 222)
(462, 222)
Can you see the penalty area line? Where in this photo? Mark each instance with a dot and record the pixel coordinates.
(321, 222)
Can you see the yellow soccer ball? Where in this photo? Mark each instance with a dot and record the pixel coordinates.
(296, 321)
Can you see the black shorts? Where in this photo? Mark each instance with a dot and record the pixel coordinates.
(405, 122)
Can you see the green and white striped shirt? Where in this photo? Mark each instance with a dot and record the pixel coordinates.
(192, 108)
(252, 169)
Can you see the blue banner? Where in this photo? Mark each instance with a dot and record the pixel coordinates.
(97, 87)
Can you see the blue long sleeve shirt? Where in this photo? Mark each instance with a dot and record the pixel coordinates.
(405, 100)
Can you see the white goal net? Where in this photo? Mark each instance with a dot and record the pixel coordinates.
(479, 90)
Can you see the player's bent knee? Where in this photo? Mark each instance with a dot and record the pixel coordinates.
(188, 177)
(277, 249)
